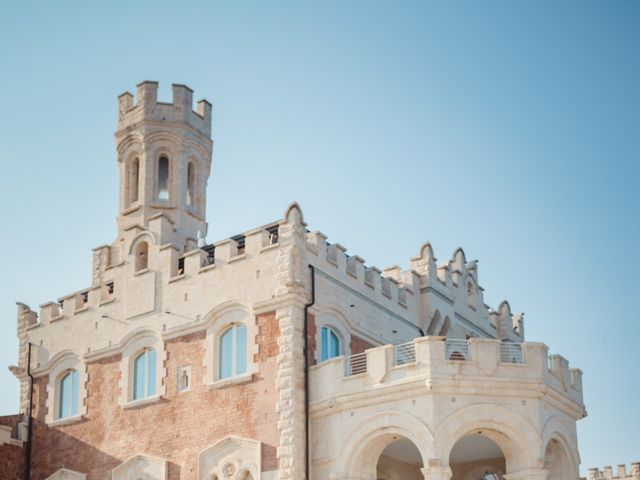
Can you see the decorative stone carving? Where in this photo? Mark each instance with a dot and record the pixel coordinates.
(233, 458)
(141, 467)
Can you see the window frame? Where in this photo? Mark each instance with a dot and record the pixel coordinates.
(233, 330)
(146, 354)
(73, 394)
(326, 352)
(135, 346)
(59, 368)
(335, 321)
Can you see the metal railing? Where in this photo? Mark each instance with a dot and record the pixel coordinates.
(457, 349)
(356, 363)
(511, 353)
(405, 353)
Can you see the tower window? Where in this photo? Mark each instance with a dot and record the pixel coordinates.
(134, 180)
(191, 181)
(163, 179)
(142, 256)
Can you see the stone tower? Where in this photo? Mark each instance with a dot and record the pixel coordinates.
(164, 155)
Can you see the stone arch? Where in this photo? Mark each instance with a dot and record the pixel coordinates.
(559, 450)
(364, 444)
(518, 439)
(233, 457)
(148, 237)
(332, 316)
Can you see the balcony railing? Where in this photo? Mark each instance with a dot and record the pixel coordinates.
(405, 353)
(457, 349)
(511, 353)
(356, 363)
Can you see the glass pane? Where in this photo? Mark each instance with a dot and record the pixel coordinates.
(226, 354)
(74, 392)
(151, 373)
(241, 349)
(163, 178)
(325, 344)
(64, 404)
(334, 344)
(139, 368)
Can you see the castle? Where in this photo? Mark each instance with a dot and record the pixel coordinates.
(273, 354)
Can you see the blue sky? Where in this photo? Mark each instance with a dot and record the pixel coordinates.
(509, 128)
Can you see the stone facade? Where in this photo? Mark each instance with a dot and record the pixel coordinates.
(402, 374)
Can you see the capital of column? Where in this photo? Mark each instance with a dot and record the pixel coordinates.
(530, 474)
(437, 472)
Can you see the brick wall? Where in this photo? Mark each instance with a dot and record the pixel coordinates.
(176, 429)
(11, 456)
(359, 345)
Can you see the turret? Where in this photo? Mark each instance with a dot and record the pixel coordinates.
(164, 155)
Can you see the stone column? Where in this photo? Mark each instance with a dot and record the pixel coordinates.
(530, 474)
(291, 296)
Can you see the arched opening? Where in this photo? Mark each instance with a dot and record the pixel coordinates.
(142, 256)
(445, 327)
(133, 181)
(233, 352)
(399, 460)
(191, 184)
(435, 323)
(144, 374)
(557, 462)
(163, 179)
(68, 394)
(477, 457)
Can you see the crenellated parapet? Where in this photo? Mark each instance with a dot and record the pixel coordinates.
(620, 473)
(145, 107)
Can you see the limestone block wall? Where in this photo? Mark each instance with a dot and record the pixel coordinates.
(434, 402)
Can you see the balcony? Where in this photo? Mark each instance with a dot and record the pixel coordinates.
(466, 366)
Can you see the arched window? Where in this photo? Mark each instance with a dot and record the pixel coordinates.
(233, 352)
(134, 180)
(191, 183)
(144, 374)
(68, 394)
(163, 179)
(330, 344)
(142, 256)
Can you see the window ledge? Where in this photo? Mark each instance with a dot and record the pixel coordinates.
(56, 318)
(177, 277)
(207, 268)
(106, 301)
(240, 379)
(141, 272)
(82, 309)
(60, 422)
(237, 257)
(269, 247)
(142, 402)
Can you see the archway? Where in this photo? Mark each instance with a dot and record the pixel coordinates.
(477, 457)
(399, 460)
(558, 462)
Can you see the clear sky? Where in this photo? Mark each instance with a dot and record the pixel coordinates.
(509, 128)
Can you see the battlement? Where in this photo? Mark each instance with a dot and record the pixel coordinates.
(147, 108)
(622, 473)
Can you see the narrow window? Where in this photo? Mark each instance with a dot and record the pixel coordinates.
(233, 352)
(330, 344)
(134, 180)
(68, 395)
(191, 179)
(144, 374)
(163, 179)
(142, 256)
